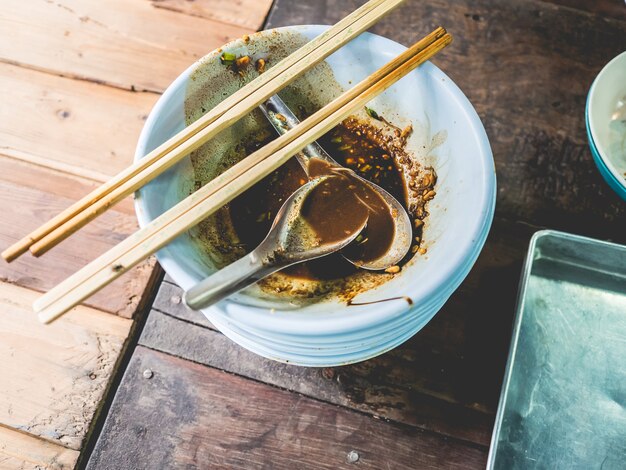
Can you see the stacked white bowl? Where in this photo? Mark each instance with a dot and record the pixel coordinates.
(332, 333)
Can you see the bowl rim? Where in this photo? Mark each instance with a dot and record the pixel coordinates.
(594, 142)
(613, 182)
(328, 322)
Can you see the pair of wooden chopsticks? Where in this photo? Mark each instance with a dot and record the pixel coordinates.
(222, 189)
(189, 139)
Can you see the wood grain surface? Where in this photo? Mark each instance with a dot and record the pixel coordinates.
(250, 15)
(30, 174)
(19, 450)
(369, 387)
(72, 76)
(609, 9)
(74, 126)
(190, 416)
(24, 208)
(53, 377)
(127, 44)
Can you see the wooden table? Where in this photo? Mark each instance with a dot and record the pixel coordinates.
(191, 398)
(77, 80)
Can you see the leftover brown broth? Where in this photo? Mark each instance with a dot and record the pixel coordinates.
(331, 209)
(341, 206)
(253, 212)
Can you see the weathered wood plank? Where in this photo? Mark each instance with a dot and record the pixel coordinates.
(614, 9)
(526, 66)
(62, 183)
(23, 451)
(169, 300)
(23, 209)
(53, 134)
(340, 386)
(247, 14)
(79, 127)
(188, 416)
(128, 44)
(53, 377)
(60, 138)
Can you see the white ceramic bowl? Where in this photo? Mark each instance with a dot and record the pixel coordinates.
(607, 139)
(330, 333)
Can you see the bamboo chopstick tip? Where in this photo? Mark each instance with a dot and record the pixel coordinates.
(47, 314)
(38, 249)
(42, 319)
(16, 250)
(47, 318)
(38, 304)
(8, 256)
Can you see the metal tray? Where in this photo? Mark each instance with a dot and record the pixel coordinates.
(563, 402)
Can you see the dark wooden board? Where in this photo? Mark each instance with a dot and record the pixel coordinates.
(359, 387)
(189, 416)
(615, 9)
(447, 378)
(169, 300)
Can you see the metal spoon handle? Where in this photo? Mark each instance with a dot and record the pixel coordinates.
(283, 120)
(234, 277)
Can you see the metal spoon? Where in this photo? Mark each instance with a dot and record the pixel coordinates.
(283, 119)
(290, 240)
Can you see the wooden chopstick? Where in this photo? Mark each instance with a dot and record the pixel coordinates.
(193, 136)
(221, 190)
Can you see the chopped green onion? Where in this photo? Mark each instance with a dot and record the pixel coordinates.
(344, 147)
(336, 140)
(371, 113)
(228, 58)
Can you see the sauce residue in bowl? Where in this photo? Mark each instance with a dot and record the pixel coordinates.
(253, 212)
(340, 206)
(366, 143)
